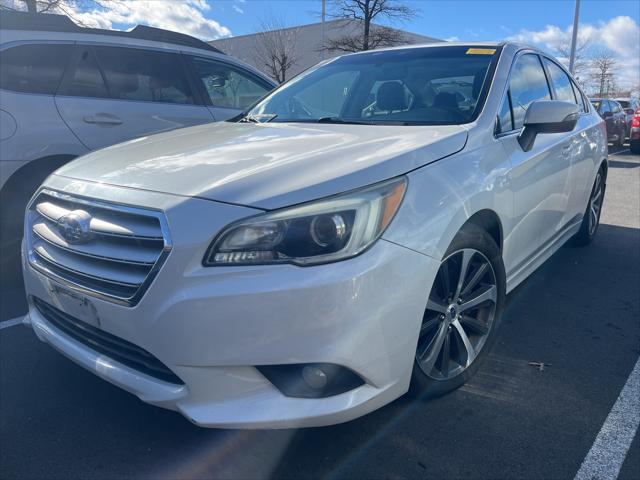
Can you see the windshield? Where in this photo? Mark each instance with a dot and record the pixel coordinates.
(414, 86)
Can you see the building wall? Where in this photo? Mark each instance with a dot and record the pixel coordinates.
(308, 44)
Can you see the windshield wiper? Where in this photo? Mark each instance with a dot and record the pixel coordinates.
(341, 120)
(260, 118)
(360, 122)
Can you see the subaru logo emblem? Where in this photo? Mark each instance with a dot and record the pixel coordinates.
(75, 227)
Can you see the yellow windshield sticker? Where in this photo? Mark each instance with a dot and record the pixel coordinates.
(481, 51)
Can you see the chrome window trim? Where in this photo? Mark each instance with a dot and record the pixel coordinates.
(118, 207)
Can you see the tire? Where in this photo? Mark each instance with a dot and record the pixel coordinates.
(620, 141)
(476, 248)
(591, 218)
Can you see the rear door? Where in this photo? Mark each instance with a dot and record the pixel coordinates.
(539, 177)
(227, 89)
(113, 94)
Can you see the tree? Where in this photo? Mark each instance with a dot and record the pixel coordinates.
(363, 13)
(275, 48)
(603, 72)
(581, 60)
(64, 7)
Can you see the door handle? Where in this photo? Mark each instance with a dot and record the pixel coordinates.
(566, 150)
(102, 119)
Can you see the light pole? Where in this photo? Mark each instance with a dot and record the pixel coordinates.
(574, 36)
(322, 33)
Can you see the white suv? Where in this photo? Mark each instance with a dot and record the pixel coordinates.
(356, 231)
(67, 90)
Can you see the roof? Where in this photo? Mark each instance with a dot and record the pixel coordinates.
(11, 20)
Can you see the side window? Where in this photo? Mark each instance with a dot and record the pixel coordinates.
(561, 82)
(604, 107)
(528, 84)
(505, 119)
(228, 86)
(83, 78)
(34, 68)
(144, 75)
(581, 102)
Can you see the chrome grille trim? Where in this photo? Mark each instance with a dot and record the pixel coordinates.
(114, 266)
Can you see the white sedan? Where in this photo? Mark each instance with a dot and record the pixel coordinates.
(353, 234)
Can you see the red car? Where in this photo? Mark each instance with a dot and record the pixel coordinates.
(634, 133)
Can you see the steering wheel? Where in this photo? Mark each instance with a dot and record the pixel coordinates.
(296, 107)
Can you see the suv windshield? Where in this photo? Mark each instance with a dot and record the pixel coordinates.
(413, 86)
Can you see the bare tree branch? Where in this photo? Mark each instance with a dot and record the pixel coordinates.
(363, 13)
(581, 60)
(275, 48)
(604, 73)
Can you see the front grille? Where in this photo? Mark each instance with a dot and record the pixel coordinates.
(102, 342)
(122, 250)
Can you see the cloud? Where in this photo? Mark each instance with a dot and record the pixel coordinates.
(452, 39)
(186, 16)
(619, 35)
(238, 9)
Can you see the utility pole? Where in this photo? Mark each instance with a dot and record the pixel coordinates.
(322, 32)
(574, 36)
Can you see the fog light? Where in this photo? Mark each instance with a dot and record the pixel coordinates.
(314, 377)
(311, 380)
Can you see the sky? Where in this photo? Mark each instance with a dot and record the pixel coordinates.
(611, 25)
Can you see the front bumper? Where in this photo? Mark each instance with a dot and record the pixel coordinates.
(212, 326)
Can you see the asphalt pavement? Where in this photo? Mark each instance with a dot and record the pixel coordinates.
(578, 315)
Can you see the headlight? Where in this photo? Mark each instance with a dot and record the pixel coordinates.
(322, 231)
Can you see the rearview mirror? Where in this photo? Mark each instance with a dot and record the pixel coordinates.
(217, 81)
(547, 116)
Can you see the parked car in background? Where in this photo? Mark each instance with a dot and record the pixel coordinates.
(631, 106)
(349, 235)
(634, 133)
(615, 118)
(67, 90)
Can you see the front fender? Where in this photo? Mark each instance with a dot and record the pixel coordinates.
(442, 196)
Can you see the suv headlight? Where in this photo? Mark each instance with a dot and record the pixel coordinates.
(322, 231)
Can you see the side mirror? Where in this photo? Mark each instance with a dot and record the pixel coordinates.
(629, 111)
(607, 114)
(547, 116)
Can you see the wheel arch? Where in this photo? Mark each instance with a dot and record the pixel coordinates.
(33, 170)
(489, 221)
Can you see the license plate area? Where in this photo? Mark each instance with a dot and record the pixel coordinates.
(74, 304)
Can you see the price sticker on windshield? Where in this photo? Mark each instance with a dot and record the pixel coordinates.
(481, 51)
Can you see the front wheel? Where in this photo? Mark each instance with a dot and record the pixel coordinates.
(462, 314)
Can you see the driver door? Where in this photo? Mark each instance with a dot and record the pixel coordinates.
(538, 178)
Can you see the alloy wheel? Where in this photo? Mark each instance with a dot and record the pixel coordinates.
(459, 315)
(595, 204)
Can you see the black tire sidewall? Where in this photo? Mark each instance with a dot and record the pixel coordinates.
(478, 239)
(583, 237)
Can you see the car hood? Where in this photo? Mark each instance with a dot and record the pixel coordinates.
(267, 165)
